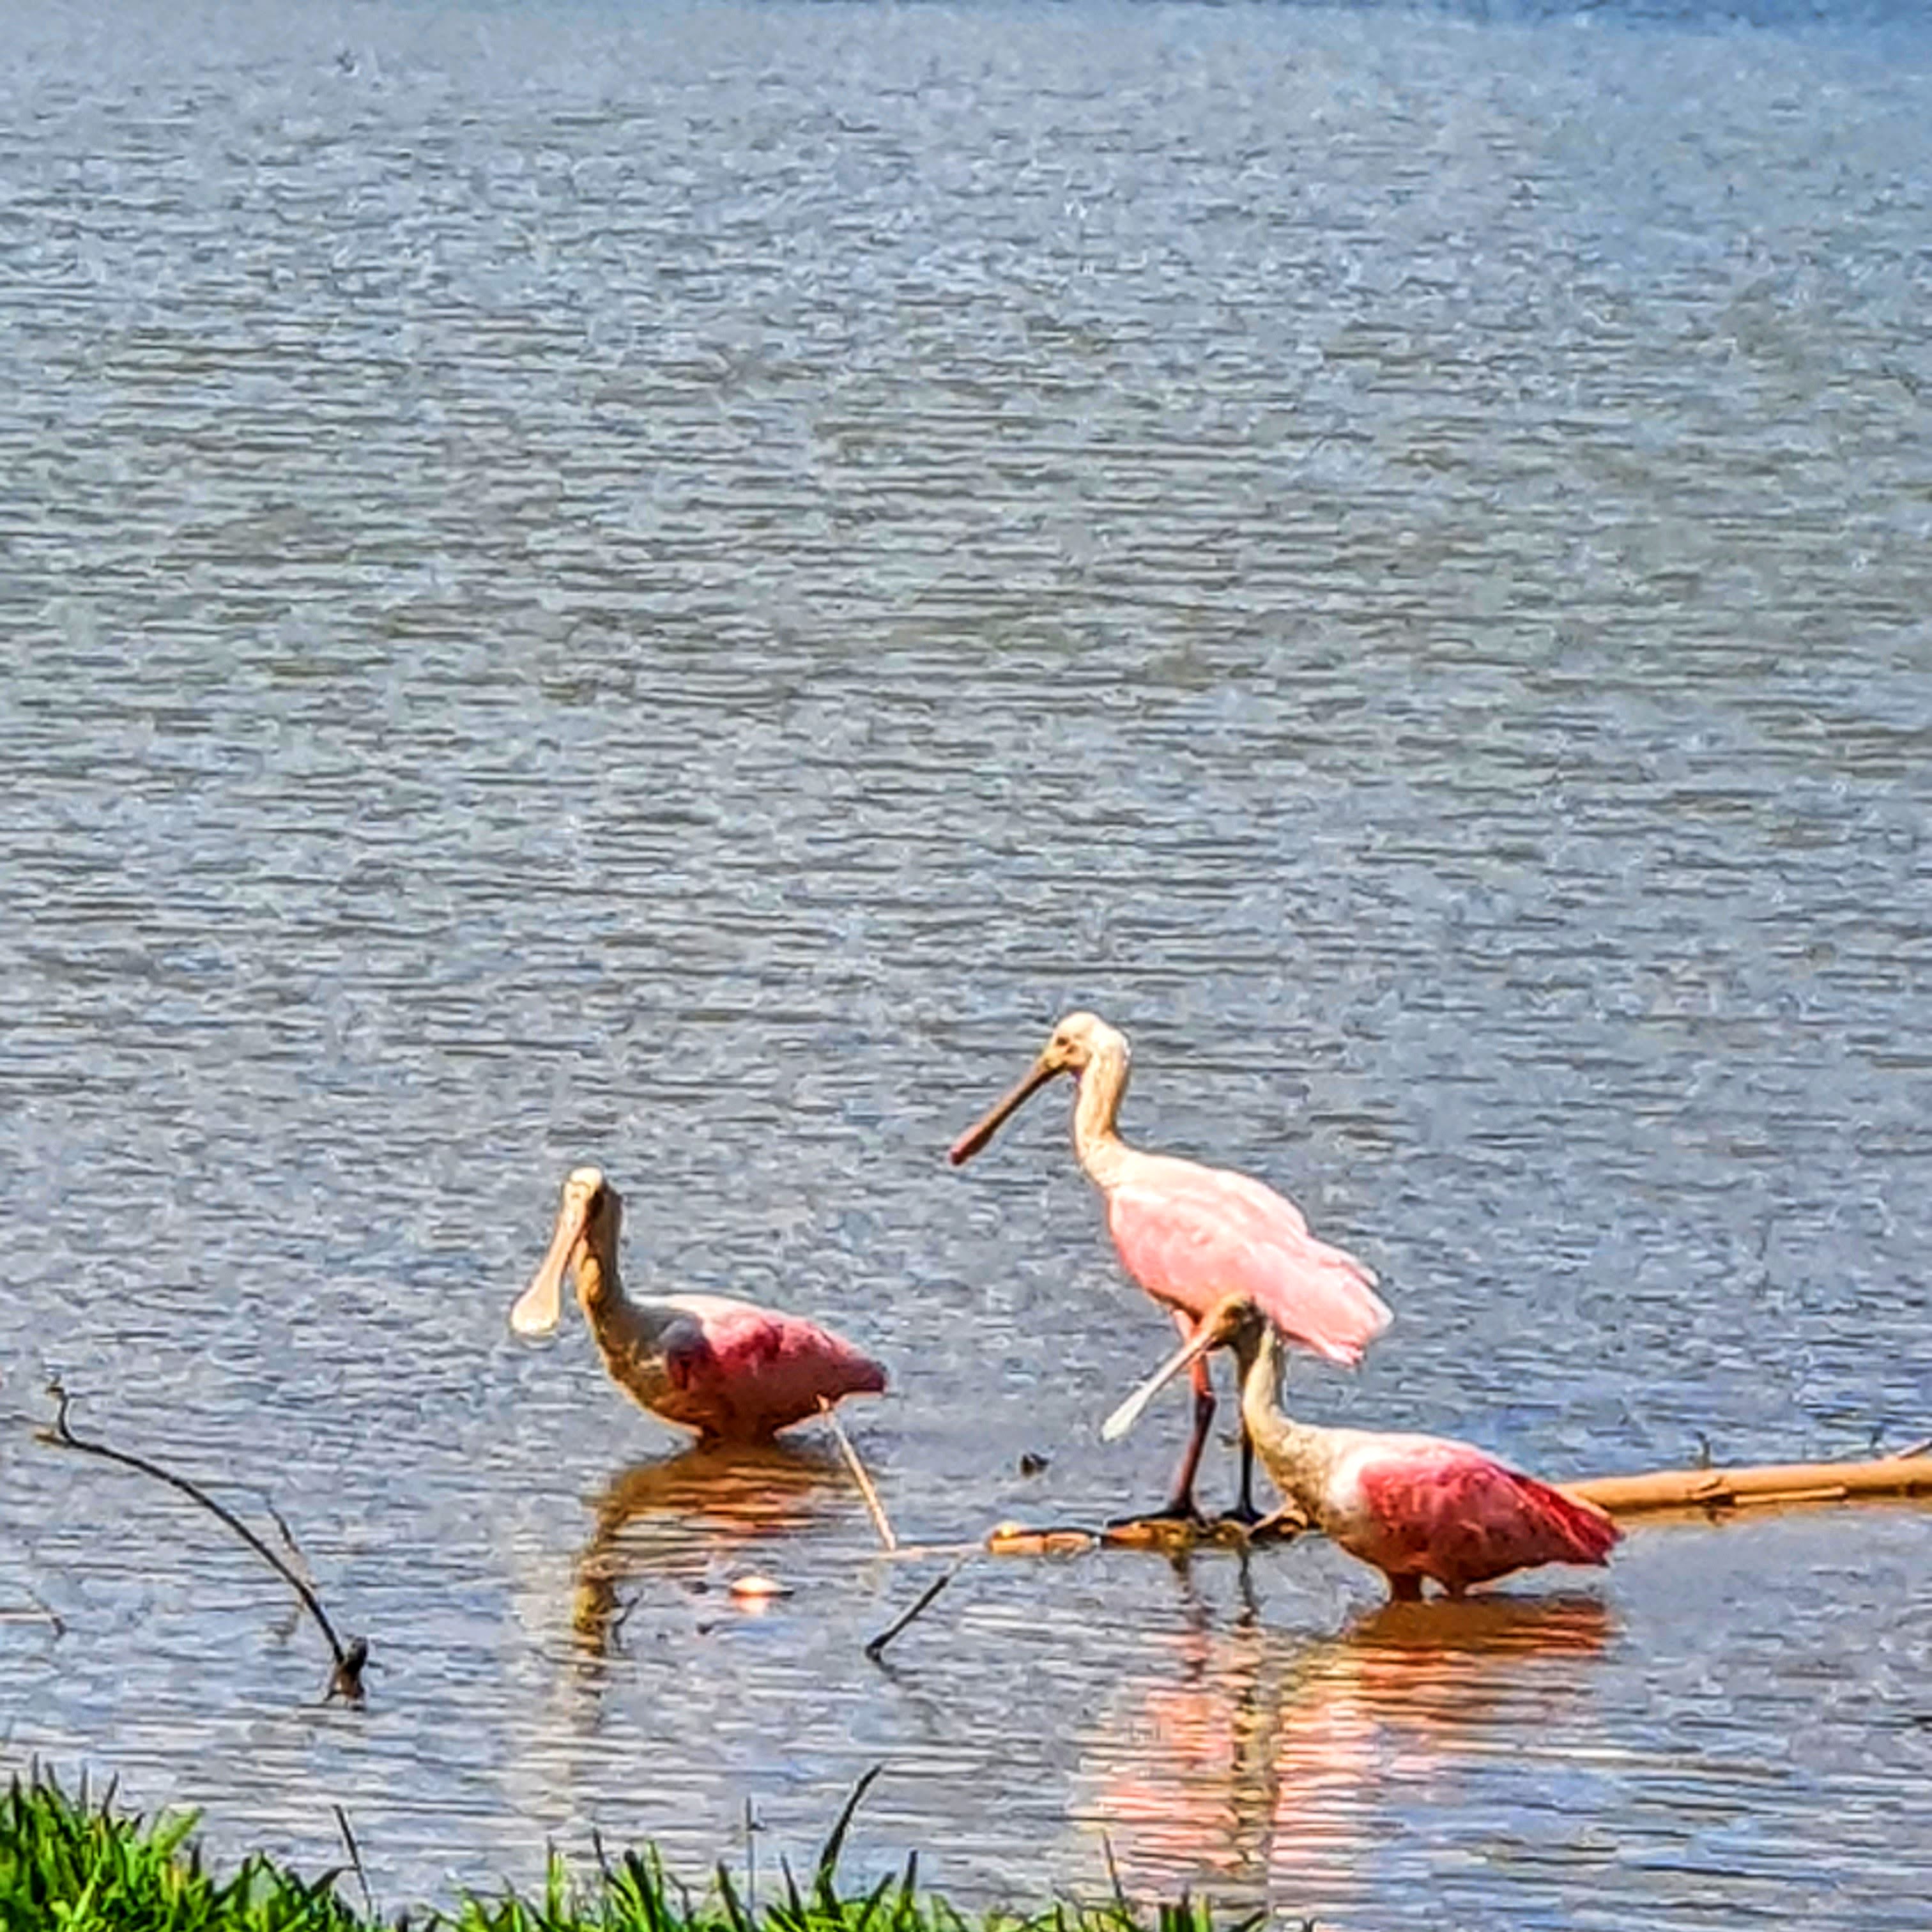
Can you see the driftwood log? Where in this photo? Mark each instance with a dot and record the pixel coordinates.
(1760, 1486)
(1707, 1492)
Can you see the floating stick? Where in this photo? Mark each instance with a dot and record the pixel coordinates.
(880, 1521)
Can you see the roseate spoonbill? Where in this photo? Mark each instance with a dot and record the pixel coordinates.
(1411, 1506)
(730, 1370)
(1190, 1235)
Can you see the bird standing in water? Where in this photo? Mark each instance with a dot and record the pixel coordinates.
(1411, 1506)
(730, 1370)
(1191, 1235)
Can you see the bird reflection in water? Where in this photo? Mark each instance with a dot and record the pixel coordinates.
(1264, 1760)
(670, 1521)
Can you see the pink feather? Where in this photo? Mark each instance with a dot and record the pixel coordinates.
(1422, 1506)
(741, 1373)
(1191, 1235)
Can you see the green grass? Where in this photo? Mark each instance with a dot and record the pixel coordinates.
(73, 1864)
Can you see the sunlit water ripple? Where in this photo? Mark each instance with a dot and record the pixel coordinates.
(667, 586)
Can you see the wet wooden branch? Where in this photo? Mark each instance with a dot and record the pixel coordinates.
(1172, 1536)
(1762, 1486)
(1702, 1490)
(346, 1679)
(880, 1521)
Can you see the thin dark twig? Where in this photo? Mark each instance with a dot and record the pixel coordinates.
(346, 1679)
(751, 1857)
(41, 1613)
(297, 1555)
(356, 1859)
(623, 1616)
(877, 1646)
(296, 1551)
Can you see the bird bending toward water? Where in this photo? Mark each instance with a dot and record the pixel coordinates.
(1191, 1235)
(1411, 1506)
(730, 1370)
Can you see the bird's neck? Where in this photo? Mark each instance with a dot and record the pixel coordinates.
(1101, 1153)
(629, 1335)
(599, 1292)
(1295, 1454)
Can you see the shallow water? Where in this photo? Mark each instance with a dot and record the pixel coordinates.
(667, 587)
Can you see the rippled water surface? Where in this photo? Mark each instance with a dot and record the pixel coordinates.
(667, 586)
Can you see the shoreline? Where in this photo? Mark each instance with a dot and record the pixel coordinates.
(72, 1858)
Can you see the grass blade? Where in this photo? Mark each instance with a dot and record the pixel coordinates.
(824, 1887)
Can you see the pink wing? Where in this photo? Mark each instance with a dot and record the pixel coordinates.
(750, 1371)
(1446, 1510)
(1191, 1235)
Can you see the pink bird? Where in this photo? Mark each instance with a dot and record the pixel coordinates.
(1412, 1506)
(1191, 1235)
(732, 1371)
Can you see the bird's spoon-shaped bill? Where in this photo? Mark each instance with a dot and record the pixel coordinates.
(1206, 1337)
(541, 1305)
(976, 1136)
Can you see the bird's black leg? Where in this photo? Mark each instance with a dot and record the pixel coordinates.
(1244, 1511)
(1180, 1505)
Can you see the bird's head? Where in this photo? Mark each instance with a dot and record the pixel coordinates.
(1077, 1041)
(1234, 1322)
(588, 1219)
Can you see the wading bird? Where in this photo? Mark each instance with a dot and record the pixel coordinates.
(1191, 1235)
(730, 1370)
(1411, 1506)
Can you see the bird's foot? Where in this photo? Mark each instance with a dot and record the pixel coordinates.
(1281, 1525)
(1245, 1523)
(1176, 1528)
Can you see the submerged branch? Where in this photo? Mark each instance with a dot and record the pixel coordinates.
(875, 1648)
(346, 1679)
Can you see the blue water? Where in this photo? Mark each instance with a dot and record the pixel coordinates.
(667, 586)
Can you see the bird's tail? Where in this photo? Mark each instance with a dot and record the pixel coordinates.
(1339, 1321)
(1587, 1534)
